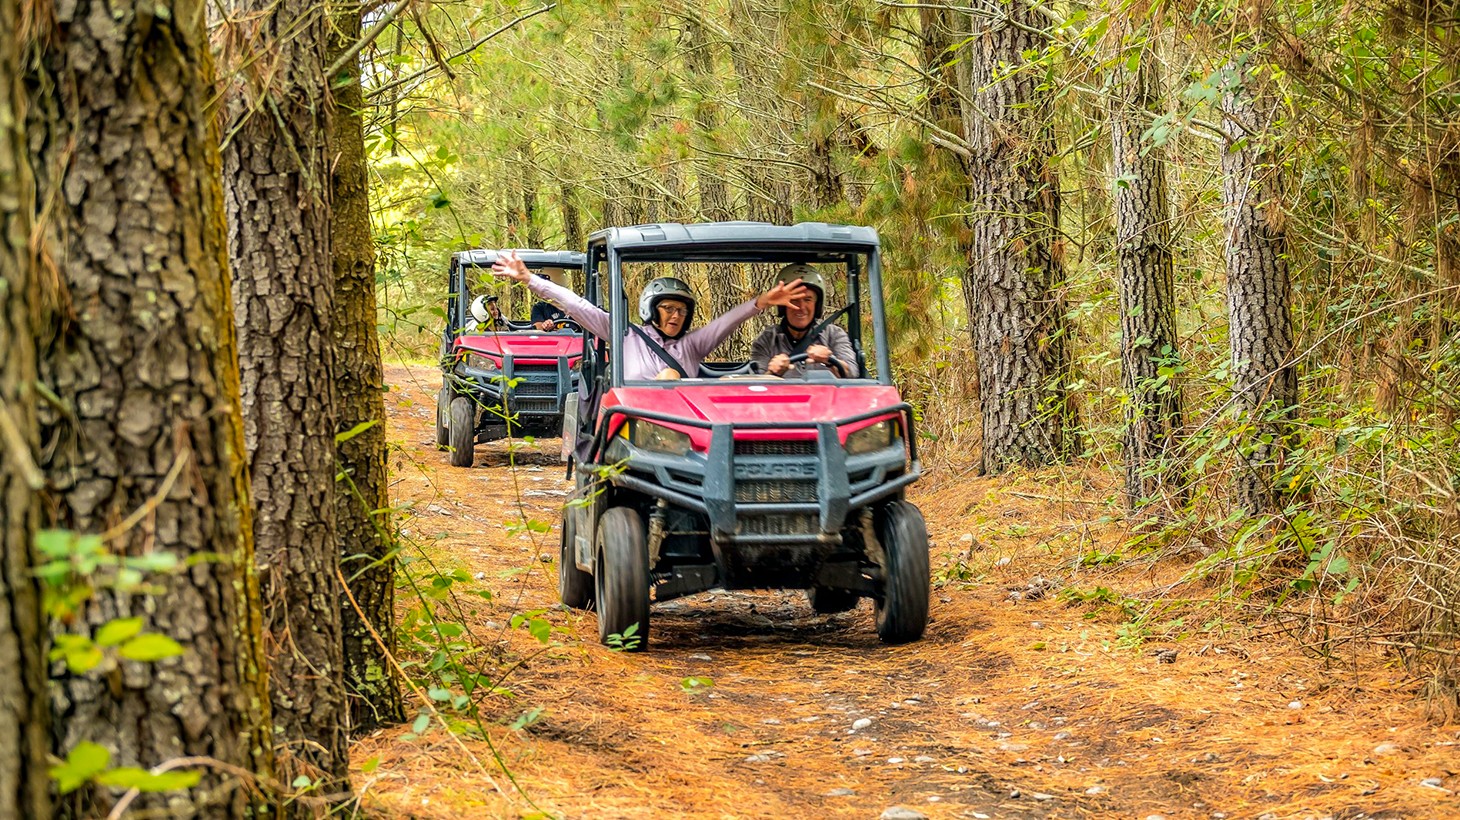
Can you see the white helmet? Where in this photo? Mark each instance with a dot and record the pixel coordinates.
(665, 287)
(479, 308)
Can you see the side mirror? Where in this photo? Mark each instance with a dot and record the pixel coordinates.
(479, 309)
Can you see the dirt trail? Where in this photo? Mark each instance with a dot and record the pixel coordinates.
(1012, 706)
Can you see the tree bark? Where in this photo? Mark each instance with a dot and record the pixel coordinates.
(1259, 292)
(573, 237)
(531, 222)
(1014, 279)
(1145, 282)
(24, 717)
(726, 284)
(365, 535)
(277, 190)
(143, 359)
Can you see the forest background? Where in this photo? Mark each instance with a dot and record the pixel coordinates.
(1231, 246)
(1207, 247)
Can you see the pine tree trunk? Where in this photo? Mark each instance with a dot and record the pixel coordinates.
(24, 717)
(1145, 282)
(1259, 294)
(365, 536)
(1014, 280)
(142, 356)
(573, 238)
(725, 284)
(277, 190)
(531, 222)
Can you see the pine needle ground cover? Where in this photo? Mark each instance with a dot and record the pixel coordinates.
(1042, 689)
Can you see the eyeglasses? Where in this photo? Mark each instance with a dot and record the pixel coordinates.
(673, 311)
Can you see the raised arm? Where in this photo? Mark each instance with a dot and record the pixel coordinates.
(709, 337)
(593, 318)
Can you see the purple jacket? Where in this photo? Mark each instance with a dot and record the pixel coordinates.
(641, 363)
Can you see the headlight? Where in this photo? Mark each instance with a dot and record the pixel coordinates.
(658, 438)
(480, 362)
(873, 437)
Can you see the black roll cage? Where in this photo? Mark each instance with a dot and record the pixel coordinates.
(457, 294)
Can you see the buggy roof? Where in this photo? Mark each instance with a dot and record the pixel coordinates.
(533, 258)
(736, 241)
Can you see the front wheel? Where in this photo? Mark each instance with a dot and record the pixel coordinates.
(621, 580)
(443, 418)
(575, 587)
(902, 609)
(462, 432)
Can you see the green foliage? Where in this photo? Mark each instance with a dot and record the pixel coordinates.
(699, 683)
(625, 641)
(88, 763)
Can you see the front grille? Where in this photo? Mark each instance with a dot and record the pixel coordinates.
(777, 525)
(775, 448)
(536, 381)
(535, 405)
(775, 492)
(536, 389)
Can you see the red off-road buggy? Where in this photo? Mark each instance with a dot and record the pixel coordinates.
(738, 481)
(501, 377)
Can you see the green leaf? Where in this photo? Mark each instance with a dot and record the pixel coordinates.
(153, 562)
(150, 648)
(84, 659)
(1339, 565)
(423, 720)
(341, 438)
(131, 777)
(82, 763)
(118, 631)
(540, 629)
(54, 543)
(438, 694)
(371, 765)
(1133, 62)
(528, 718)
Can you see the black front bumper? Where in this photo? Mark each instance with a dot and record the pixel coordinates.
(746, 492)
(536, 390)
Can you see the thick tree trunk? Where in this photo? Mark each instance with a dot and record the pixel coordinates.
(365, 535)
(1147, 303)
(24, 714)
(277, 189)
(143, 359)
(1016, 308)
(1258, 294)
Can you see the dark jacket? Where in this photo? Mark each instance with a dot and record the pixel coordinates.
(774, 341)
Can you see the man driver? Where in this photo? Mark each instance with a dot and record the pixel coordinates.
(545, 314)
(830, 350)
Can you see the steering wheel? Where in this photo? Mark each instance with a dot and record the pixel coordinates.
(567, 324)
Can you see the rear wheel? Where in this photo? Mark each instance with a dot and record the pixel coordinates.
(827, 601)
(443, 418)
(575, 587)
(462, 432)
(902, 611)
(621, 580)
